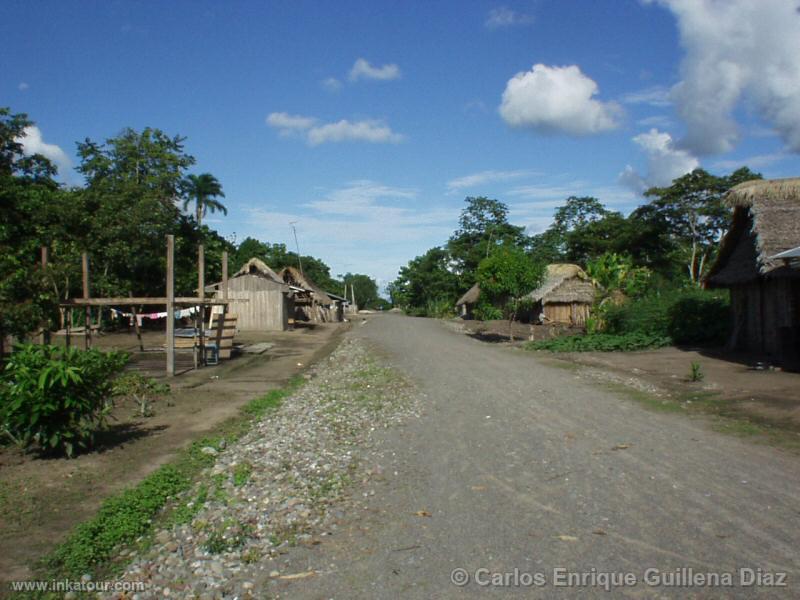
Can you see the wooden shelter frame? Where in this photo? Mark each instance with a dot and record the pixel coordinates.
(170, 301)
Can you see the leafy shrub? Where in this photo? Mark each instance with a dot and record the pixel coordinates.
(700, 318)
(601, 342)
(56, 398)
(439, 309)
(688, 316)
(142, 390)
(484, 311)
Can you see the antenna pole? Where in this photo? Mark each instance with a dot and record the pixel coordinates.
(297, 245)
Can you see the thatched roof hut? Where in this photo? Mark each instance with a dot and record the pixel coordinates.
(267, 301)
(311, 302)
(565, 296)
(765, 286)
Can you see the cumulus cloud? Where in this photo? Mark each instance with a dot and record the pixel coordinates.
(331, 84)
(505, 17)
(33, 143)
(483, 177)
(557, 100)
(735, 50)
(369, 130)
(665, 162)
(363, 70)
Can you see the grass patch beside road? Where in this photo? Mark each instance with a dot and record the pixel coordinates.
(129, 518)
(601, 342)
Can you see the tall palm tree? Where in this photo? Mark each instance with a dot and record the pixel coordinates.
(203, 190)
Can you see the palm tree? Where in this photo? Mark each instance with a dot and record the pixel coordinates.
(203, 190)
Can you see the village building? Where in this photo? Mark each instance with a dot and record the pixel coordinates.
(564, 298)
(311, 303)
(759, 262)
(269, 301)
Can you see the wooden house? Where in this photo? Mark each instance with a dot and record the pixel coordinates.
(564, 298)
(310, 302)
(269, 300)
(758, 263)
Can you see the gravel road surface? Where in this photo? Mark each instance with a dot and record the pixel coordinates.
(517, 469)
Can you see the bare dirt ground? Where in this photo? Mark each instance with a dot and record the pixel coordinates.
(517, 465)
(499, 330)
(42, 499)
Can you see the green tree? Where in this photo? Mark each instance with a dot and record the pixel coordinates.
(693, 209)
(483, 225)
(506, 276)
(203, 190)
(427, 280)
(365, 289)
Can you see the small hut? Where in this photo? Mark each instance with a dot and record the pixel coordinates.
(269, 300)
(467, 302)
(310, 302)
(757, 263)
(565, 297)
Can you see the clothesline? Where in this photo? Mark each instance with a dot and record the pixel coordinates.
(179, 314)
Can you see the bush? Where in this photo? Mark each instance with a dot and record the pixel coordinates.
(484, 311)
(688, 316)
(602, 342)
(56, 398)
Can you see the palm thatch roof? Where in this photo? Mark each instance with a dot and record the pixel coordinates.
(256, 266)
(766, 222)
(564, 283)
(470, 296)
(293, 276)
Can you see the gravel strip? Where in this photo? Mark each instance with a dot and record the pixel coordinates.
(277, 485)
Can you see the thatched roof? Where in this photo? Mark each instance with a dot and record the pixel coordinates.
(256, 266)
(470, 296)
(564, 283)
(293, 276)
(766, 222)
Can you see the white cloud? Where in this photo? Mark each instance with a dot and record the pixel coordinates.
(557, 100)
(288, 123)
(372, 131)
(363, 70)
(657, 121)
(369, 130)
(735, 50)
(505, 17)
(756, 162)
(33, 143)
(484, 177)
(331, 84)
(23, 86)
(656, 95)
(665, 162)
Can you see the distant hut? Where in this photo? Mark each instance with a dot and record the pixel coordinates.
(758, 263)
(269, 301)
(565, 297)
(310, 302)
(466, 304)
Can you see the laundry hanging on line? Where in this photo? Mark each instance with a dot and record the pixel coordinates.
(179, 314)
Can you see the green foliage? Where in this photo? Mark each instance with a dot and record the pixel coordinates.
(241, 473)
(365, 288)
(57, 398)
(506, 276)
(614, 272)
(426, 282)
(486, 311)
(482, 226)
(688, 316)
(696, 372)
(202, 190)
(142, 390)
(602, 342)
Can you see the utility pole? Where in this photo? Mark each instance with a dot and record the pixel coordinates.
(297, 245)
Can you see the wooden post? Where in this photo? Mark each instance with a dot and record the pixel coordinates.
(136, 325)
(224, 274)
(170, 345)
(87, 330)
(45, 324)
(201, 293)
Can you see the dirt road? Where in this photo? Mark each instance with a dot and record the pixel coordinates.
(522, 466)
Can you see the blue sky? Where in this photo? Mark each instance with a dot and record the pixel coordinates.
(368, 123)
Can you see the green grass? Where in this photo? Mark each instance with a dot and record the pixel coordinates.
(132, 515)
(601, 342)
